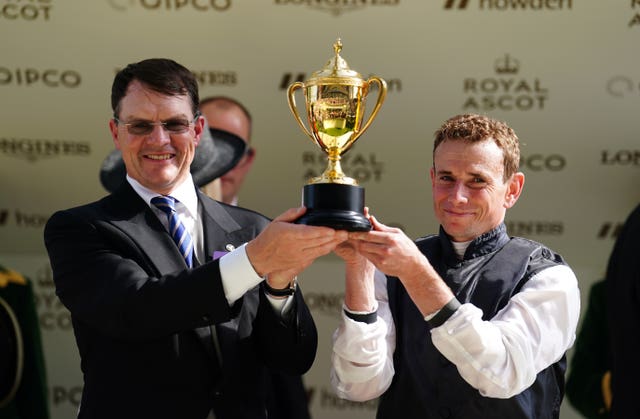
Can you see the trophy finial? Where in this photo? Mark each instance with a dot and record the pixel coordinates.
(336, 67)
(337, 47)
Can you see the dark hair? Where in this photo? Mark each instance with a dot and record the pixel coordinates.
(162, 75)
(476, 128)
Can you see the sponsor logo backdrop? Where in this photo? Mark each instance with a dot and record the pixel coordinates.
(564, 74)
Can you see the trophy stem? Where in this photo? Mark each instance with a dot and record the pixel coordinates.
(333, 173)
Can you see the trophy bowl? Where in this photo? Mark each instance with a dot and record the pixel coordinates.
(335, 100)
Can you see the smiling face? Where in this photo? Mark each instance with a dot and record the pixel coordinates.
(470, 195)
(160, 160)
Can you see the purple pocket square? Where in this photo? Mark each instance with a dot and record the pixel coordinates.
(218, 254)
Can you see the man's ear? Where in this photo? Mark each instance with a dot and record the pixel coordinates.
(251, 155)
(199, 127)
(113, 127)
(514, 189)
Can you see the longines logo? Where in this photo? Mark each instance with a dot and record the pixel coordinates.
(34, 10)
(505, 91)
(620, 158)
(362, 167)
(337, 7)
(172, 5)
(623, 86)
(501, 5)
(35, 149)
(534, 228)
(31, 76)
(209, 77)
(216, 78)
(393, 84)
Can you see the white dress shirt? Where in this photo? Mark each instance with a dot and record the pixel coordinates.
(499, 357)
(238, 275)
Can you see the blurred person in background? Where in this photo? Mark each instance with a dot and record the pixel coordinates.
(226, 114)
(623, 302)
(288, 397)
(589, 379)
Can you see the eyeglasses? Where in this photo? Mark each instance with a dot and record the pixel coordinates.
(172, 126)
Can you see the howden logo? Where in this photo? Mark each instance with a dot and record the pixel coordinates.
(501, 5)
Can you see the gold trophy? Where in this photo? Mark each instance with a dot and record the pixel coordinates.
(335, 104)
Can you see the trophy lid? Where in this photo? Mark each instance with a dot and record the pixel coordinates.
(335, 68)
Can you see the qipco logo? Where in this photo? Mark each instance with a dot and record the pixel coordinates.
(33, 77)
(622, 86)
(172, 5)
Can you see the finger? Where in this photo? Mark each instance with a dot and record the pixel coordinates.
(370, 237)
(318, 250)
(315, 234)
(378, 226)
(291, 214)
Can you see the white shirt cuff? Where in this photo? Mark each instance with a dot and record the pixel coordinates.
(238, 276)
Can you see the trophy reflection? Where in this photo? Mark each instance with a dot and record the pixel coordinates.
(335, 104)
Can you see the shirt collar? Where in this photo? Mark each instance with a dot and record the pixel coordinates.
(484, 244)
(184, 192)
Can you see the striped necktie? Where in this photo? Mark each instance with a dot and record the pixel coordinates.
(178, 231)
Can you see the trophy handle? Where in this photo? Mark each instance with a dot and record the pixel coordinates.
(294, 110)
(382, 94)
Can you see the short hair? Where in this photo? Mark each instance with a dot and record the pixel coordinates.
(225, 102)
(475, 128)
(162, 75)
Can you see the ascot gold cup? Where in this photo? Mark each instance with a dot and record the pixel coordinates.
(335, 99)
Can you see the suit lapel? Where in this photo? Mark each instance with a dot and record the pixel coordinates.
(222, 233)
(134, 217)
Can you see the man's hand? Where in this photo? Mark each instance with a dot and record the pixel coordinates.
(395, 254)
(359, 287)
(389, 249)
(283, 249)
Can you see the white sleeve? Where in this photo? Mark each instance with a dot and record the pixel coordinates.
(362, 359)
(502, 356)
(238, 276)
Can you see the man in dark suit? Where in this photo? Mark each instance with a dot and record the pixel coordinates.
(166, 327)
(623, 320)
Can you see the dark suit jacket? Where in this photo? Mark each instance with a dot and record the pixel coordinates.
(623, 304)
(143, 322)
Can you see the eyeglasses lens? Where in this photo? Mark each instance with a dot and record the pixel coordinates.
(173, 126)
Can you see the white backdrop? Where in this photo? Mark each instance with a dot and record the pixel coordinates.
(563, 73)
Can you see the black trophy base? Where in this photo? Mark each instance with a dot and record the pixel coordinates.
(334, 205)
